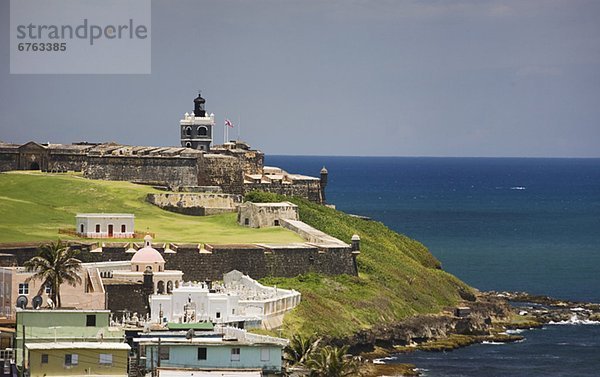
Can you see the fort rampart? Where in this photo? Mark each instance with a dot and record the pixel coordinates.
(211, 261)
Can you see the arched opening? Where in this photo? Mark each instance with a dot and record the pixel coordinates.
(188, 131)
(34, 166)
(176, 283)
(160, 287)
(202, 131)
(188, 145)
(169, 286)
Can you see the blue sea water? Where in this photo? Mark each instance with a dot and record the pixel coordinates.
(497, 224)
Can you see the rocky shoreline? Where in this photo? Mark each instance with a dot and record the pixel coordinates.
(486, 317)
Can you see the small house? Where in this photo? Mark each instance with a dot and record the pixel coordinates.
(260, 215)
(105, 225)
(58, 331)
(227, 349)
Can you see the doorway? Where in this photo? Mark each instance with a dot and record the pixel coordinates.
(110, 230)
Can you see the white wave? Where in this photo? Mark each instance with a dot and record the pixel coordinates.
(578, 310)
(494, 343)
(518, 188)
(383, 360)
(515, 331)
(574, 320)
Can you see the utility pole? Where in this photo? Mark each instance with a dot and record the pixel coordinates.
(158, 361)
(23, 354)
(152, 361)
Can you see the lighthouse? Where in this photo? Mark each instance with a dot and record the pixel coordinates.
(197, 127)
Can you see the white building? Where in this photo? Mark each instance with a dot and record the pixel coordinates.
(105, 225)
(238, 300)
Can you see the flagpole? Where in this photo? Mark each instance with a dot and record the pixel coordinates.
(239, 127)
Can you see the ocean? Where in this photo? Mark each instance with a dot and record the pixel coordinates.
(518, 224)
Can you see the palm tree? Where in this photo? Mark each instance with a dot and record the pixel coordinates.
(300, 349)
(56, 264)
(332, 362)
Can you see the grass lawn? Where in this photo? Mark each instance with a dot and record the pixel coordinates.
(34, 205)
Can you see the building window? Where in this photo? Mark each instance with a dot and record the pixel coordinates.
(90, 320)
(202, 131)
(23, 288)
(44, 358)
(81, 228)
(201, 353)
(218, 314)
(97, 228)
(265, 354)
(123, 228)
(188, 145)
(105, 359)
(71, 359)
(48, 289)
(188, 131)
(235, 354)
(164, 353)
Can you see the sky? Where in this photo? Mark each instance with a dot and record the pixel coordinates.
(343, 77)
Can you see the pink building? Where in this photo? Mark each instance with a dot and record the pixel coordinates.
(87, 295)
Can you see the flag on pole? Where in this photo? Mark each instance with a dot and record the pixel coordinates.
(228, 123)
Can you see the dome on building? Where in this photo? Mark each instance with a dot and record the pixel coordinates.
(147, 255)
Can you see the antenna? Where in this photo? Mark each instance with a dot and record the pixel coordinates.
(37, 302)
(22, 301)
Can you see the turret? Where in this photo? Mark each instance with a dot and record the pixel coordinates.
(324, 174)
(355, 243)
(355, 249)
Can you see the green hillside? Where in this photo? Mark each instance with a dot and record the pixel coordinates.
(398, 278)
(34, 205)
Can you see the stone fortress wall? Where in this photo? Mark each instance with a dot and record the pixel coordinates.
(209, 262)
(196, 203)
(235, 168)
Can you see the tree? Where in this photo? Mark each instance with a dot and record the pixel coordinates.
(56, 264)
(300, 349)
(332, 362)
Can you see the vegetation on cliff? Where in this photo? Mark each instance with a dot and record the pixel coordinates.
(398, 278)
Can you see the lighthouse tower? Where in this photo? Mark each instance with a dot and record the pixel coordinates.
(197, 128)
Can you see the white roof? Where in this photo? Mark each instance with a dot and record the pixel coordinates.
(275, 204)
(127, 215)
(78, 345)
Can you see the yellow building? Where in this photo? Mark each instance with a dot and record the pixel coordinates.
(78, 359)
